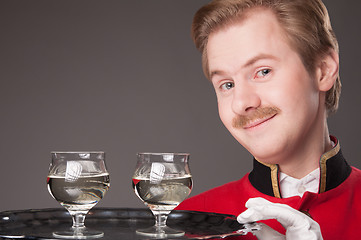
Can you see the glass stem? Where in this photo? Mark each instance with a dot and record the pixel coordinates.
(78, 220)
(160, 220)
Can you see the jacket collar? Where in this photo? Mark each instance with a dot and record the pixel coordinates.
(333, 171)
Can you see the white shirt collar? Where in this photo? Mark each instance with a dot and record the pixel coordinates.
(290, 186)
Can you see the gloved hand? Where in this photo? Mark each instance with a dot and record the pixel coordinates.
(297, 224)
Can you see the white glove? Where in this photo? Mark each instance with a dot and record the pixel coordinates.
(297, 224)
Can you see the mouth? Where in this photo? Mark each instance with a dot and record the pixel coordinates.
(258, 122)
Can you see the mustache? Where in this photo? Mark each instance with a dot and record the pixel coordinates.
(259, 113)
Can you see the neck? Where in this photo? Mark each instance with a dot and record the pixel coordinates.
(305, 159)
(305, 155)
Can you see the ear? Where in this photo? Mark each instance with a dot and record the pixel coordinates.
(327, 71)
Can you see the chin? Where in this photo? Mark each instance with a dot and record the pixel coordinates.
(266, 153)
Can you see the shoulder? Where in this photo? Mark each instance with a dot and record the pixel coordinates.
(228, 188)
(356, 170)
(221, 199)
(355, 174)
(353, 181)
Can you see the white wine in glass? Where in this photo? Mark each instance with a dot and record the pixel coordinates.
(78, 181)
(162, 181)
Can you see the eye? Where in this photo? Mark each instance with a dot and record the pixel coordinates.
(227, 85)
(263, 72)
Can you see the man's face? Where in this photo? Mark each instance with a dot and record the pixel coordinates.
(266, 98)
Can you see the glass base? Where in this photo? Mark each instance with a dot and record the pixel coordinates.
(160, 232)
(78, 234)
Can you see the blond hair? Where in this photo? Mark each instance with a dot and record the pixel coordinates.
(306, 23)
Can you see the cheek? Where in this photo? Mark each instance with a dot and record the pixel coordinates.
(305, 95)
(297, 91)
(225, 114)
(300, 101)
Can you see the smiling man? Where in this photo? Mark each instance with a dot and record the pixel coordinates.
(274, 66)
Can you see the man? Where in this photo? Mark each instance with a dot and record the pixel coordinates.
(274, 66)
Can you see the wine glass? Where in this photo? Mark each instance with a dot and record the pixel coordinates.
(78, 180)
(162, 181)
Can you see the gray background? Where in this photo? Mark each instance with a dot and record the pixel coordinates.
(123, 76)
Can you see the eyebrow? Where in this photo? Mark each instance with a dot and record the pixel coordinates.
(248, 63)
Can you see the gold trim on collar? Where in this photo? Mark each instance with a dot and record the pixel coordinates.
(323, 168)
(274, 178)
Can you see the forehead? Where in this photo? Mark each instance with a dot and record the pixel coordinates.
(259, 33)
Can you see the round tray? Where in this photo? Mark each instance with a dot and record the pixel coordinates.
(116, 223)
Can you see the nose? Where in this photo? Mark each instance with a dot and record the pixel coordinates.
(245, 98)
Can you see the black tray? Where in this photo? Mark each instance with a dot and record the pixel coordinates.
(116, 223)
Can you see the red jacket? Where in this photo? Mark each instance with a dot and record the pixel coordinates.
(337, 206)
